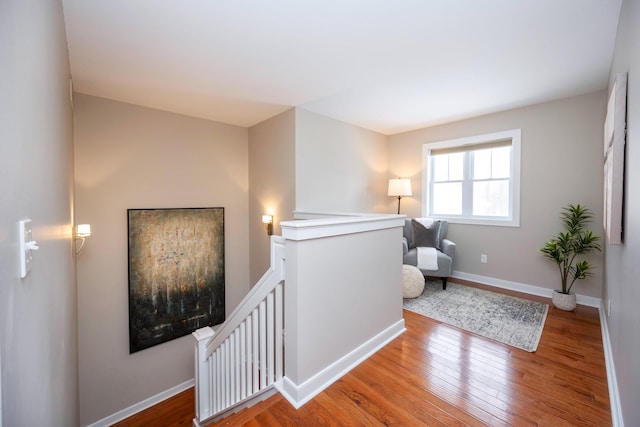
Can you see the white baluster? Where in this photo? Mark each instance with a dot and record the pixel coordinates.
(219, 379)
(232, 368)
(211, 385)
(263, 345)
(243, 360)
(236, 365)
(270, 339)
(256, 352)
(249, 354)
(279, 331)
(227, 375)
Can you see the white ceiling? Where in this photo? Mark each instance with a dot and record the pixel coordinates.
(386, 65)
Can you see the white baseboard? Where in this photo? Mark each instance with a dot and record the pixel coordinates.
(521, 287)
(140, 406)
(614, 395)
(298, 395)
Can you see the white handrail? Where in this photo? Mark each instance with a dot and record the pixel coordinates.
(242, 361)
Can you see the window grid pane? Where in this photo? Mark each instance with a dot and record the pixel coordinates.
(447, 198)
(440, 165)
(456, 166)
(501, 162)
(491, 198)
(482, 164)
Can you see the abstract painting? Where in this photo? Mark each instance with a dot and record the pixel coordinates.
(176, 273)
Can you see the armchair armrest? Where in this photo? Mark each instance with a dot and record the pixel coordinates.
(448, 247)
(405, 246)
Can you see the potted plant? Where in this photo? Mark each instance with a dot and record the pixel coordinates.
(566, 247)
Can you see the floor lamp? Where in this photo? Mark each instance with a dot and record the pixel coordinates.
(399, 187)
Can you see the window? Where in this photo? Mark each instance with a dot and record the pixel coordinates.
(474, 180)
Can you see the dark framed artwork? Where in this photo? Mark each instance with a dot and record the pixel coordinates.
(176, 273)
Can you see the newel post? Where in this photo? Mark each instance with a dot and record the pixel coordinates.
(202, 374)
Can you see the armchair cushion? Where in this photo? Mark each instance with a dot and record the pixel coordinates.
(426, 236)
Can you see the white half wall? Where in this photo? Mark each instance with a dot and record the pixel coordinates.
(343, 296)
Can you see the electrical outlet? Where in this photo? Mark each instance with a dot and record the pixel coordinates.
(483, 258)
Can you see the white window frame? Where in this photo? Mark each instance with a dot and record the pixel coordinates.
(515, 136)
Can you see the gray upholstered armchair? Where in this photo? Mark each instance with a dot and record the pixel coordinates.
(445, 250)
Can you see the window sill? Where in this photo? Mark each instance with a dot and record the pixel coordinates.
(479, 221)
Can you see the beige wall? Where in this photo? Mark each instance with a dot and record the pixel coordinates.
(38, 335)
(272, 183)
(621, 282)
(561, 164)
(302, 161)
(134, 157)
(339, 167)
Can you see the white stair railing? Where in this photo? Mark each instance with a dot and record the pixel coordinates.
(241, 363)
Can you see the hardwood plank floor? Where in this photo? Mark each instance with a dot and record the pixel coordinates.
(437, 375)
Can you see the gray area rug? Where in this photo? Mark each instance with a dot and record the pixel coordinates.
(513, 321)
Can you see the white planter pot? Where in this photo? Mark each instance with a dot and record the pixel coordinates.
(566, 302)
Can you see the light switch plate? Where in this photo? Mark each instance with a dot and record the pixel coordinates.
(26, 246)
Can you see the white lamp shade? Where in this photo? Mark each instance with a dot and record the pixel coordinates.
(399, 187)
(83, 230)
(267, 219)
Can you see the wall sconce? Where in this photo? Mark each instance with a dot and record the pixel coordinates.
(267, 220)
(82, 232)
(399, 187)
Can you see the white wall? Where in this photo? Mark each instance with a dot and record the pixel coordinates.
(38, 336)
(561, 164)
(621, 282)
(134, 157)
(339, 167)
(272, 183)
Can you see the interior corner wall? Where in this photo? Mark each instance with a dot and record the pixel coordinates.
(561, 163)
(621, 281)
(340, 167)
(38, 335)
(128, 156)
(271, 184)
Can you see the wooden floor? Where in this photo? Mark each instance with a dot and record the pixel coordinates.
(438, 375)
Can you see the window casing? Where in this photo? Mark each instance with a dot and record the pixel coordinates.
(474, 180)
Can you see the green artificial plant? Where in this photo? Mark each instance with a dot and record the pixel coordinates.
(575, 240)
